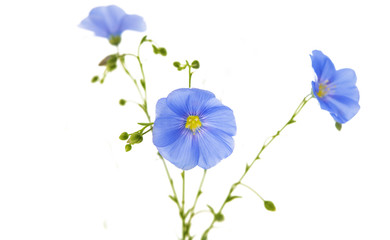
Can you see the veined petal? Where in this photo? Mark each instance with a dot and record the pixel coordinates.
(132, 22)
(184, 153)
(221, 118)
(214, 145)
(188, 101)
(322, 65)
(100, 31)
(344, 77)
(110, 17)
(167, 126)
(343, 108)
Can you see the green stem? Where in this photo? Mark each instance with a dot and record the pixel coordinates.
(182, 211)
(252, 190)
(192, 209)
(170, 181)
(248, 167)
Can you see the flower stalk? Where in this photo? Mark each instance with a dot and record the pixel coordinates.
(248, 167)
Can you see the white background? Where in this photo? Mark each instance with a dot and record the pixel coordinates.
(64, 173)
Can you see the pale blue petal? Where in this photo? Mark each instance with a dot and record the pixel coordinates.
(344, 77)
(322, 65)
(99, 30)
(167, 126)
(188, 101)
(132, 22)
(184, 153)
(214, 145)
(343, 108)
(221, 118)
(110, 17)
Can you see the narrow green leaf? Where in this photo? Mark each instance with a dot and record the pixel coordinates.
(231, 198)
(143, 83)
(247, 168)
(145, 124)
(211, 209)
(291, 121)
(173, 198)
(156, 50)
(143, 39)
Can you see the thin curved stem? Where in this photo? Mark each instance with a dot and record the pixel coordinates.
(248, 167)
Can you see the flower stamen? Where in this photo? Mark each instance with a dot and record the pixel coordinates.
(323, 89)
(193, 123)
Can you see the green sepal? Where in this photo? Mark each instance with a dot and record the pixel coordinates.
(122, 102)
(269, 206)
(124, 136)
(195, 64)
(128, 147)
(115, 40)
(95, 79)
(338, 126)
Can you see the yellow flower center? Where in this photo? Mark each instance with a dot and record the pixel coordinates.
(323, 89)
(193, 123)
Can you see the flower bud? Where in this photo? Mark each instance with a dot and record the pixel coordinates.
(122, 102)
(162, 51)
(135, 138)
(176, 64)
(195, 64)
(95, 79)
(124, 136)
(338, 126)
(269, 206)
(128, 147)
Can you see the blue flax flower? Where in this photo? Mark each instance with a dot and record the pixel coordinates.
(193, 128)
(336, 91)
(110, 21)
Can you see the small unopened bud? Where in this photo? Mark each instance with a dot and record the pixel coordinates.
(176, 64)
(124, 136)
(162, 51)
(269, 206)
(135, 138)
(95, 79)
(195, 64)
(338, 126)
(122, 102)
(128, 147)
